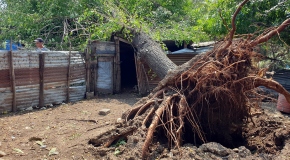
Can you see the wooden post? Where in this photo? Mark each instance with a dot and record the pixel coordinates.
(88, 69)
(117, 64)
(94, 57)
(147, 86)
(12, 77)
(68, 76)
(138, 76)
(41, 82)
(95, 74)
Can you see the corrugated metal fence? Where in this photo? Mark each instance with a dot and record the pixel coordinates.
(30, 78)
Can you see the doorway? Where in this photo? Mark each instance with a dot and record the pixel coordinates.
(128, 68)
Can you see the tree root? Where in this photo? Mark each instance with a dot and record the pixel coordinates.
(252, 82)
(152, 110)
(152, 127)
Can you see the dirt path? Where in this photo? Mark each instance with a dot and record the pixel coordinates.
(67, 128)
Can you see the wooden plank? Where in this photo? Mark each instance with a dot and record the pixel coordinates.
(146, 77)
(105, 59)
(68, 76)
(12, 78)
(112, 75)
(87, 70)
(93, 67)
(123, 40)
(95, 71)
(117, 64)
(138, 74)
(105, 55)
(105, 48)
(41, 80)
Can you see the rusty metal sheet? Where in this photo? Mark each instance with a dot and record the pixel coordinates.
(27, 97)
(26, 76)
(26, 64)
(4, 63)
(179, 59)
(54, 95)
(27, 87)
(5, 101)
(4, 78)
(77, 93)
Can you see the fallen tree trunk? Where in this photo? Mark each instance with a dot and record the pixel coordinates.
(150, 52)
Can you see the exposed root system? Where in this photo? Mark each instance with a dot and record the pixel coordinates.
(209, 101)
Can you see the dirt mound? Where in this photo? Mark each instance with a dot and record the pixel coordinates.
(267, 137)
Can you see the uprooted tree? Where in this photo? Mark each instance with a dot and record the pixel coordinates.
(207, 98)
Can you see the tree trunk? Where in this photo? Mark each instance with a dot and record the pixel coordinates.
(150, 52)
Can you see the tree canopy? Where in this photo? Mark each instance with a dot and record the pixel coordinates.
(75, 21)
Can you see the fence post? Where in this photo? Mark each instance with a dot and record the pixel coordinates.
(41, 82)
(117, 66)
(12, 77)
(68, 76)
(87, 71)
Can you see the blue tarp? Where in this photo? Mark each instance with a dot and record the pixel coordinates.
(15, 46)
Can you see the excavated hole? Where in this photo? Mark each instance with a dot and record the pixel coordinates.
(236, 139)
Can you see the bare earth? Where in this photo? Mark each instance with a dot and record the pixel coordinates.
(67, 128)
(63, 132)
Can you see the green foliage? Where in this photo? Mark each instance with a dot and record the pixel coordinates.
(73, 22)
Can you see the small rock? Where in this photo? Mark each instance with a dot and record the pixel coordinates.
(50, 105)
(2, 154)
(236, 150)
(269, 144)
(43, 146)
(12, 137)
(27, 127)
(244, 152)
(215, 148)
(119, 120)
(107, 123)
(170, 154)
(104, 112)
(29, 109)
(43, 108)
(62, 103)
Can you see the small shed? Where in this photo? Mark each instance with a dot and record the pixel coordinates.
(112, 66)
(115, 68)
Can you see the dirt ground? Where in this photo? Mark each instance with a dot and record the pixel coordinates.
(67, 128)
(63, 132)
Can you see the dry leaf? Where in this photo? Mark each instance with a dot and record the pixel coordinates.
(18, 150)
(52, 152)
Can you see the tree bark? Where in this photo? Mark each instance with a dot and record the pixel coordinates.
(150, 52)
